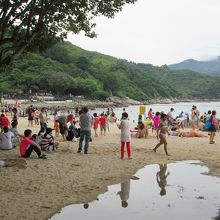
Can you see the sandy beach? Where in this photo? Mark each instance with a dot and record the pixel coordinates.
(37, 189)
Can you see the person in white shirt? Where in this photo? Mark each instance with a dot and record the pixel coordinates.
(6, 139)
(125, 135)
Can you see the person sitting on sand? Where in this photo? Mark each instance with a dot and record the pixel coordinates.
(6, 139)
(191, 133)
(14, 130)
(162, 178)
(47, 142)
(27, 146)
(40, 134)
(4, 121)
(142, 132)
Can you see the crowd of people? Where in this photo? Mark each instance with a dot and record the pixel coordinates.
(166, 124)
(78, 125)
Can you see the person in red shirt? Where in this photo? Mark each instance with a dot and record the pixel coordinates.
(102, 122)
(95, 123)
(4, 121)
(150, 114)
(71, 118)
(27, 146)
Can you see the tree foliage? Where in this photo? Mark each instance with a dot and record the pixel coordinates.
(39, 23)
(65, 69)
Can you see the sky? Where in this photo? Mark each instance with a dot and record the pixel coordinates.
(158, 32)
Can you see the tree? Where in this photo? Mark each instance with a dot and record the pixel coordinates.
(26, 24)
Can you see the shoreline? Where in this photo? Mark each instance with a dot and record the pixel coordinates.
(113, 102)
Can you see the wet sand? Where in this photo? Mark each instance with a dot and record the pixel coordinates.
(37, 189)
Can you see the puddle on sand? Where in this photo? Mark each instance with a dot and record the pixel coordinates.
(173, 191)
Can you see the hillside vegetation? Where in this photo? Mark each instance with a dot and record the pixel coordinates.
(211, 67)
(66, 69)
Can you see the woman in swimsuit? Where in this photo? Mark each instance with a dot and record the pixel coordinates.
(162, 130)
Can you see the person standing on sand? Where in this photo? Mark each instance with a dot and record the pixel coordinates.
(43, 118)
(30, 113)
(95, 123)
(86, 122)
(162, 131)
(170, 117)
(214, 126)
(125, 135)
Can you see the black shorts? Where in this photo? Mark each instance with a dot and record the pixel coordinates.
(212, 128)
(63, 128)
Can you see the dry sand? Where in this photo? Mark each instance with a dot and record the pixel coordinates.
(37, 189)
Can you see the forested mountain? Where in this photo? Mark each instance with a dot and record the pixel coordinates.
(65, 69)
(211, 67)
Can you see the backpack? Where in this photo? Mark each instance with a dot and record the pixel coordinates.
(208, 124)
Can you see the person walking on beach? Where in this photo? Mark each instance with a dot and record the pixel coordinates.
(86, 122)
(214, 126)
(125, 135)
(162, 131)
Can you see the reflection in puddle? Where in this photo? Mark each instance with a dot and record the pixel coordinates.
(164, 191)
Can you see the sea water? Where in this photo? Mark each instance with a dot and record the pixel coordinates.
(177, 191)
(186, 107)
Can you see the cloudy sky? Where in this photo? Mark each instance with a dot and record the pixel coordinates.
(158, 32)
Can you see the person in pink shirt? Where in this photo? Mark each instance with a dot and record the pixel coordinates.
(95, 123)
(156, 121)
(102, 121)
(214, 126)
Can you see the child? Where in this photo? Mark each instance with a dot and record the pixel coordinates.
(6, 139)
(14, 130)
(27, 146)
(95, 123)
(162, 130)
(125, 135)
(56, 128)
(156, 120)
(47, 142)
(102, 121)
(72, 132)
(40, 135)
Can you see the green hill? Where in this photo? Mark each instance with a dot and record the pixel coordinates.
(211, 67)
(65, 69)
